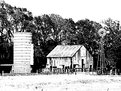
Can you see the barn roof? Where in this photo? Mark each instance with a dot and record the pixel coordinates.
(64, 50)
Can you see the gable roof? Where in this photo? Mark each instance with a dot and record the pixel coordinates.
(64, 51)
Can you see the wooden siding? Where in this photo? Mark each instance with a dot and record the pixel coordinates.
(58, 62)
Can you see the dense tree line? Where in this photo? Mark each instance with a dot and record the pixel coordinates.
(51, 30)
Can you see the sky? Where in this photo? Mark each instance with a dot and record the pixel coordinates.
(96, 10)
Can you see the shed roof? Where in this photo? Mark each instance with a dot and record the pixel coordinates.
(64, 51)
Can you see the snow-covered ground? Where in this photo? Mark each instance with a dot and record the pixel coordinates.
(61, 82)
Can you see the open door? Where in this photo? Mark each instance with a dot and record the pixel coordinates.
(82, 65)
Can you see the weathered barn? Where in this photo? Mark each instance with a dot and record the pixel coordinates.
(69, 56)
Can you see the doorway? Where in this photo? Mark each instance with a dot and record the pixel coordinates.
(83, 65)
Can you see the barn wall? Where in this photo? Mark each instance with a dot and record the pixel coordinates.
(85, 55)
(58, 62)
(89, 60)
(48, 62)
(76, 58)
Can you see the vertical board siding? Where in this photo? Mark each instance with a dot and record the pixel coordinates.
(23, 52)
(58, 62)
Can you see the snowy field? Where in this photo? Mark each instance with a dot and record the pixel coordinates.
(61, 82)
